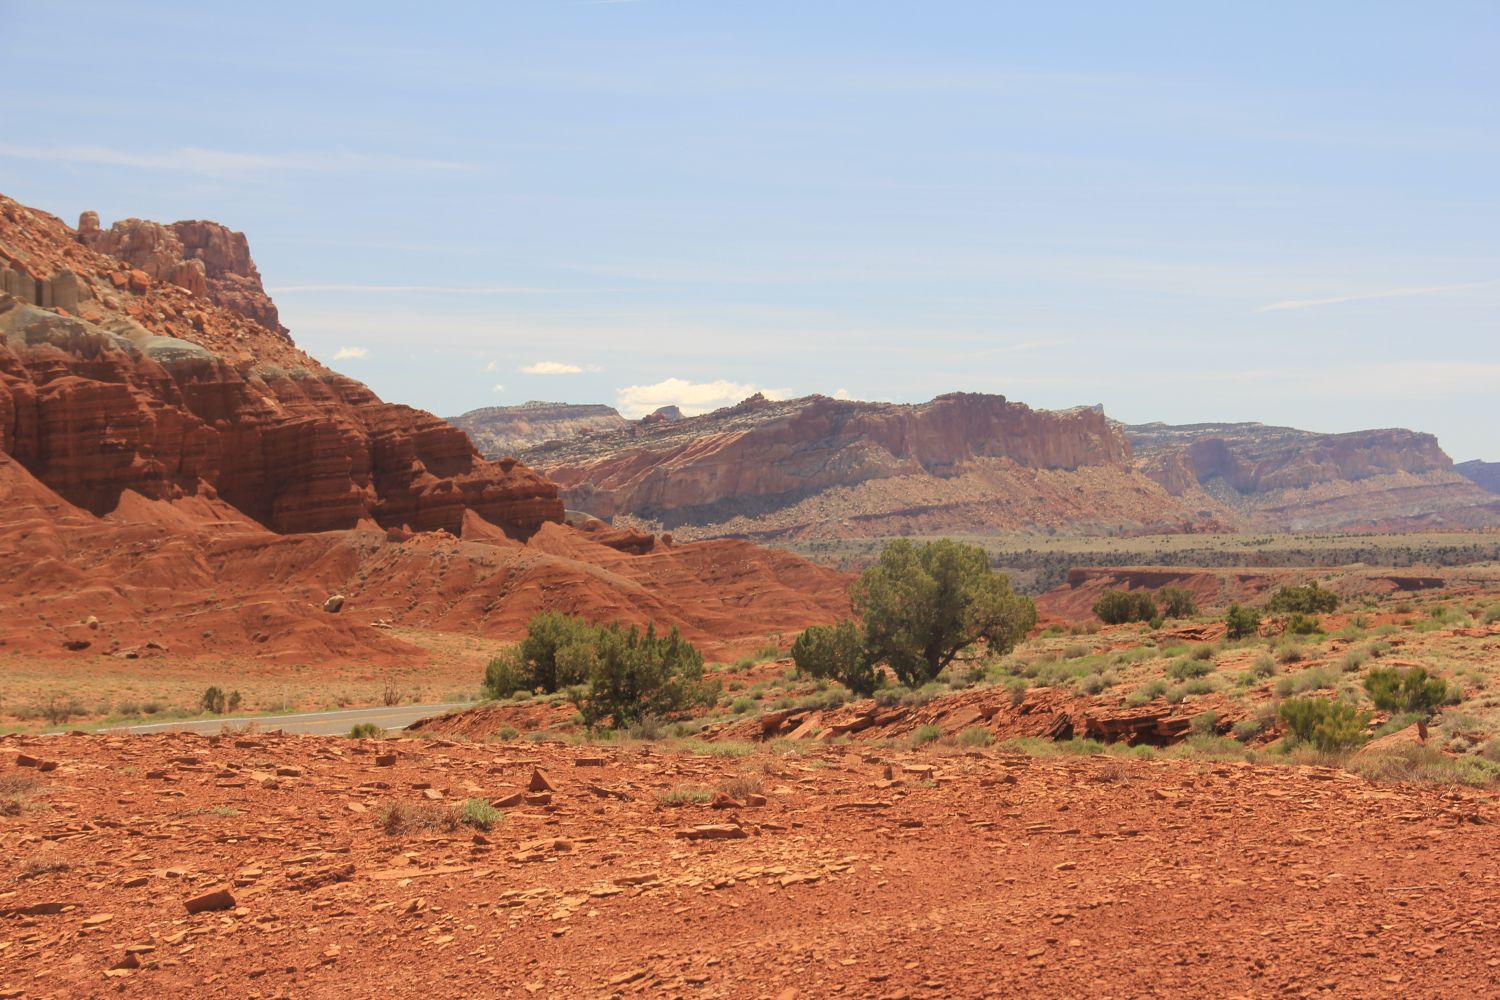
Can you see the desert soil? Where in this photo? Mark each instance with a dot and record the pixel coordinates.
(866, 872)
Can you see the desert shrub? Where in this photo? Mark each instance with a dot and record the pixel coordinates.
(1181, 670)
(742, 704)
(1311, 679)
(398, 818)
(1411, 690)
(505, 733)
(684, 796)
(1308, 599)
(366, 731)
(1353, 660)
(1204, 651)
(1177, 602)
(1074, 651)
(1243, 621)
(1491, 614)
(1300, 624)
(1116, 607)
(1206, 723)
(1264, 666)
(1156, 623)
(1325, 724)
(218, 702)
(924, 604)
(926, 734)
(1176, 695)
(975, 736)
(1426, 765)
(836, 652)
(1290, 653)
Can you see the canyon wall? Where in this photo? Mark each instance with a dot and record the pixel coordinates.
(498, 431)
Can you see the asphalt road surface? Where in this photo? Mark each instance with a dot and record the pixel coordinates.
(335, 723)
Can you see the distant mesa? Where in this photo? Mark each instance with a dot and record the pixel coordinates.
(1485, 475)
(820, 468)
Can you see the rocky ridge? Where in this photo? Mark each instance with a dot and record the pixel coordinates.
(498, 431)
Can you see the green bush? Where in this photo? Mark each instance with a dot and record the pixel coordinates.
(924, 604)
(479, 814)
(1309, 599)
(1243, 621)
(1116, 607)
(1182, 670)
(1300, 624)
(926, 734)
(366, 731)
(1413, 690)
(632, 675)
(975, 736)
(554, 655)
(1329, 726)
(1177, 602)
(836, 652)
(218, 701)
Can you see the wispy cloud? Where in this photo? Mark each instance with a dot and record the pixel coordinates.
(344, 353)
(228, 163)
(1389, 293)
(498, 388)
(691, 397)
(427, 289)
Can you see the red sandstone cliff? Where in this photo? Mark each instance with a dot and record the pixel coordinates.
(141, 384)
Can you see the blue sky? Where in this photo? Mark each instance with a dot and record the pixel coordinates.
(1283, 212)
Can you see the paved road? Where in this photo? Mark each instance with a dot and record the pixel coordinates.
(313, 723)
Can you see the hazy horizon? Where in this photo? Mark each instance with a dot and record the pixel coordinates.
(1186, 215)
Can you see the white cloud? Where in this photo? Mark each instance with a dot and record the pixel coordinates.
(1389, 293)
(498, 388)
(691, 397)
(551, 368)
(491, 366)
(841, 394)
(350, 352)
(224, 163)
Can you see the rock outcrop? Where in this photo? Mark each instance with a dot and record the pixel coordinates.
(1287, 479)
(498, 431)
(207, 259)
(777, 469)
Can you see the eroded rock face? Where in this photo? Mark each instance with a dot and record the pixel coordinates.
(206, 258)
(152, 389)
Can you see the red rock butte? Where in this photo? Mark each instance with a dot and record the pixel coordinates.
(163, 440)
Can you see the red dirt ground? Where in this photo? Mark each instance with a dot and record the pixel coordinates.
(866, 873)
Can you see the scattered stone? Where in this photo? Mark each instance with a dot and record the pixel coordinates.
(218, 899)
